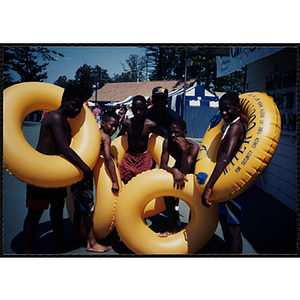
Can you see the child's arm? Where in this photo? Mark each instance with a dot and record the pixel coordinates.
(123, 128)
(225, 157)
(154, 128)
(179, 177)
(110, 164)
(61, 141)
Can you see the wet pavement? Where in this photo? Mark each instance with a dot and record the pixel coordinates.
(270, 228)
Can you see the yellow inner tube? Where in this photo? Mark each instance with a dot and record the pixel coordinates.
(23, 161)
(254, 155)
(104, 214)
(139, 238)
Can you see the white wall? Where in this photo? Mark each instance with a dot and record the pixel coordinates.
(280, 177)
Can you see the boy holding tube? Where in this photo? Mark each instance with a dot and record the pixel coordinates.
(55, 138)
(83, 193)
(230, 212)
(184, 151)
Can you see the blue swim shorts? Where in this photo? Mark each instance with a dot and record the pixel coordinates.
(235, 209)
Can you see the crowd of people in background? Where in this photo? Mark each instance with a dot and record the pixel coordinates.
(123, 111)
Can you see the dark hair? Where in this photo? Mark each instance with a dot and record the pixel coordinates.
(179, 123)
(73, 91)
(139, 98)
(109, 114)
(232, 97)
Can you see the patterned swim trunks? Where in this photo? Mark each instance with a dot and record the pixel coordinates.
(235, 209)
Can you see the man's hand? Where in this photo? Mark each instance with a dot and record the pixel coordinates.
(88, 174)
(180, 141)
(179, 178)
(205, 196)
(115, 187)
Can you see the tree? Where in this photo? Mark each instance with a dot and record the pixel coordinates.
(162, 62)
(101, 76)
(84, 78)
(62, 81)
(136, 67)
(28, 62)
(87, 77)
(168, 63)
(124, 77)
(231, 83)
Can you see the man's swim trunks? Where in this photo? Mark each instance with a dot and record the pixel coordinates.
(83, 197)
(134, 164)
(235, 209)
(39, 198)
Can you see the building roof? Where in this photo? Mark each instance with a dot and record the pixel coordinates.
(120, 91)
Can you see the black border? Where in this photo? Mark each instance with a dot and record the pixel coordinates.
(203, 256)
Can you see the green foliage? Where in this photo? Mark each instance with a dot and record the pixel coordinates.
(83, 77)
(62, 81)
(158, 63)
(28, 62)
(168, 63)
(136, 65)
(87, 78)
(101, 77)
(162, 61)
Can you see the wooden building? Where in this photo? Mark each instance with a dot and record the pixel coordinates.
(275, 74)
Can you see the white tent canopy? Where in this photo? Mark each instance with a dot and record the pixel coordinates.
(196, 95)
(127, 101)
(90, 103)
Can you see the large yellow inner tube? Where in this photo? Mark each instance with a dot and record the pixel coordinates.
(23, 161)
(106, 200)
(255, 153)
(139, 238)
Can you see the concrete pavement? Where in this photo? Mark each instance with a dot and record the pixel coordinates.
(270, 227)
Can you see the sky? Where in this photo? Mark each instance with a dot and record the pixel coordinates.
(108, 58)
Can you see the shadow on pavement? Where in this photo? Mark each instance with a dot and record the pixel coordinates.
(270, 226)
(43, 243)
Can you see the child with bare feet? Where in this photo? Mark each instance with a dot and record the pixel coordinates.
(230, 212)
(184, 151)
(83, 192)
(109, 125)
(137, 159)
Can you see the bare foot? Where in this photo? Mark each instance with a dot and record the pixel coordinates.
(97, 248)
(165, 234)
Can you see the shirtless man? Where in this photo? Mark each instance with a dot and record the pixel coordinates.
(54, 139)
(137, 159)
(184, 152)
(234, 134)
